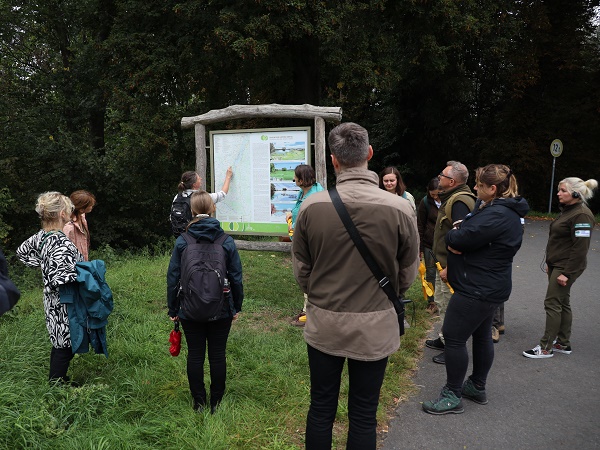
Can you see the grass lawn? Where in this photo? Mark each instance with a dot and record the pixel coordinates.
(138, 398)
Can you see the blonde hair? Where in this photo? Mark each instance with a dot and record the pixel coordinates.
(200, 203)
(50, 204)
(585, 189)
(500, 176)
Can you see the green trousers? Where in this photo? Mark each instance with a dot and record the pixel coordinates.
(558, 310)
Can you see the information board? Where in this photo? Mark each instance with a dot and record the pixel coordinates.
(262, 189)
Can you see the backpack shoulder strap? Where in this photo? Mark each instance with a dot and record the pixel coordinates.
(427, 206)
(221, 239)
(469, 200)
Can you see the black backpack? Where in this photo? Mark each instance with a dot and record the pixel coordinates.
(181, 214)
(203, 272)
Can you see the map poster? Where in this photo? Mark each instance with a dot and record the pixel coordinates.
(262, 189)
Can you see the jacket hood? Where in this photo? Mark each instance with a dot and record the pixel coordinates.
(518, 204)
(207, 228)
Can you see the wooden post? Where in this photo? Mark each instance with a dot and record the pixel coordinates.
(233, 112)
(200, 131)
(320, 159)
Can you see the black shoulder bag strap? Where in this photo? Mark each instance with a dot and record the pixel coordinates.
(383, 281)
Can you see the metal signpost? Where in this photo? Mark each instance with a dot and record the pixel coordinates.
(556, 148)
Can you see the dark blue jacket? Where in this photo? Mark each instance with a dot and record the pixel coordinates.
(89, 302)
(488, 238)
(9, 294)
(208, 228)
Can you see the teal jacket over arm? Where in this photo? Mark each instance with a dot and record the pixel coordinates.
(89, 302)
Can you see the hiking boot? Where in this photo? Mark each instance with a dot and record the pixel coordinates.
(436, 344)
(501, 329)
(559, 348)
(446, 403)
(440, 359)
(432, 308)
(538, 353)
(495, 335)
(299, 320)
(472, 393)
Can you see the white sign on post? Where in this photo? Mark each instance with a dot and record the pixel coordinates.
(556, 148)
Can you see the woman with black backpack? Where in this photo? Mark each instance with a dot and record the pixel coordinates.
(181, 213)
(205, 293)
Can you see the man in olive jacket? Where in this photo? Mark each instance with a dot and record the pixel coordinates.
(457, 201)
(349, 315)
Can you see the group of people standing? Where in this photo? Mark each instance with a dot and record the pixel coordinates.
(472, 238)
(475, 240)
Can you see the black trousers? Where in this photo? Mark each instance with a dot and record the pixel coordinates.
(197, 336)
(366, 378)
(466, 317)
(59, 363)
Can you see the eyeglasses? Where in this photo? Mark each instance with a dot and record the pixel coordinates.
(445, 176)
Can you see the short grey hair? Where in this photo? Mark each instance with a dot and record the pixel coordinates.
(349, 143)
(458, 171)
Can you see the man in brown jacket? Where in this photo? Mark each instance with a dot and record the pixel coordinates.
(350, 316)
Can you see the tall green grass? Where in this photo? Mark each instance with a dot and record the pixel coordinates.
(138, 398)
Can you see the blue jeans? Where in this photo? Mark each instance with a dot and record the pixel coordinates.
(466, 317)
(197, 334)
(366, 378)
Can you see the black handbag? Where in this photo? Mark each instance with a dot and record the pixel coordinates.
(382, 280)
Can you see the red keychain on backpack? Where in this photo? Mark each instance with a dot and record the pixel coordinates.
(175, 340)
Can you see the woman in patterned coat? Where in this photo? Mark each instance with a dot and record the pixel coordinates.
(56, 255)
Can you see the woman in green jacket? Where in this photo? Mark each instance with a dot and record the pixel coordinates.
(566, 258)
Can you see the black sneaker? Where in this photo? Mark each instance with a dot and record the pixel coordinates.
(435, 344)
(440, 359)
(446, 403)
(472, 393)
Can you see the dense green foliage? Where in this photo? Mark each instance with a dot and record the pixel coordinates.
(139, 397)
(92, 92)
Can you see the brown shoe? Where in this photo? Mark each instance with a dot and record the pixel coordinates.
(495, 335)
(432, 308)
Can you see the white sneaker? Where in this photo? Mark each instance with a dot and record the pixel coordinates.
(538, 353)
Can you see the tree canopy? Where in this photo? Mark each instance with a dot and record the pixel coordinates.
(92, 91)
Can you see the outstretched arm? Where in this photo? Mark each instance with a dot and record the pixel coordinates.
(228, 176)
